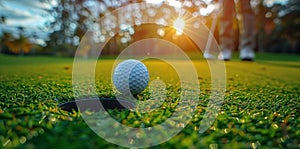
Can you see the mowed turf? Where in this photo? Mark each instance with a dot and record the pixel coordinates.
(261, 106)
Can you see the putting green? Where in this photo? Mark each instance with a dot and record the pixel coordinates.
(261, 108)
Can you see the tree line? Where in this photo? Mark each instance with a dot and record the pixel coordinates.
(278, 28)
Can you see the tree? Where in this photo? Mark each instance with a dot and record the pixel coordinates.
(72, 19)
(14, 41)
(289, 29)
(265, 23)
(20, 46)
(5, 38)
(2, 21)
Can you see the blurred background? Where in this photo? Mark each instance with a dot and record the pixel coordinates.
(55, 27)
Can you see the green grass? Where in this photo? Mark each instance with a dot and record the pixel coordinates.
(261, 108)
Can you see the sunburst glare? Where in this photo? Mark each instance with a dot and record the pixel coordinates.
(179, 25)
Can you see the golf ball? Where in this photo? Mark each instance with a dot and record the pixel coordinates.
(130, 77)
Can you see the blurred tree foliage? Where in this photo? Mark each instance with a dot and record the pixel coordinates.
(15, 45)
(289, 28)
(278, 26)
(71, 18)
(10, 44)
(19, 46)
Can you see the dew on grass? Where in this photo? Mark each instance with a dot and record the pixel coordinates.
(180, 125)
(213, 146)
(196, 128)
(130, 141)
(138, 135)
(6, 142)
(52, 119)
(226, 130)
(22, 140)
(40, 131)
(255, 145)
(282, 140)
(275, 126)
(213, 128)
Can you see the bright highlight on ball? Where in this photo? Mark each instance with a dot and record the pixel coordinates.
(131, 77)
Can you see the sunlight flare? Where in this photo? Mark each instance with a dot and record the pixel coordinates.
(179, 25)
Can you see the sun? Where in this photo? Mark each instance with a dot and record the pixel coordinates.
(179, 25)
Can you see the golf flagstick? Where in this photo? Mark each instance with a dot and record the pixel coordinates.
(207, 53)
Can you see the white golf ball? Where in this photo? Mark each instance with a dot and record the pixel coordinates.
(130, 77)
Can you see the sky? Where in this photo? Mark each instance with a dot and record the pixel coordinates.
(32, 15)
(269, 3)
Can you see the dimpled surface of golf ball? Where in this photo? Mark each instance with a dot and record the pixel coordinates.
(130, 76)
